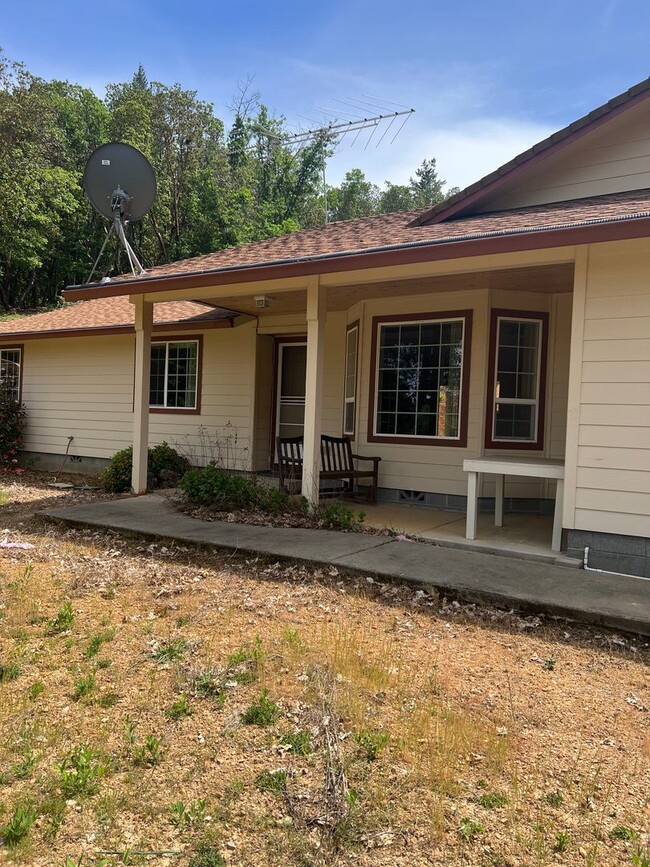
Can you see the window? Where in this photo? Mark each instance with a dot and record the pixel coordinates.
(517, 377)
(174, 379)
(351, 352)
(10, 360)
(420, 388)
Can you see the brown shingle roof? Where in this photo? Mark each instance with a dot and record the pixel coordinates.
(398, 230)
(112, 313)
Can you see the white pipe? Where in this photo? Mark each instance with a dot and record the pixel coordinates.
(588, 568)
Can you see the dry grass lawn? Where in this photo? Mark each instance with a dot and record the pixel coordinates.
(224, 710)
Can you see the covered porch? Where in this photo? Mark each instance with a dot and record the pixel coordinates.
(342, 394)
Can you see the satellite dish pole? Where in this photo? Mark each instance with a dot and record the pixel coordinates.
(120, 184)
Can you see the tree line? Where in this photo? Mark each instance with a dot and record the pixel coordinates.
(218, 185)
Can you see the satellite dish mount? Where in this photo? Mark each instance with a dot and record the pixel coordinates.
(121, 186)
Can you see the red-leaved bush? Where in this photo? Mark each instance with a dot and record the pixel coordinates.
(12, 426)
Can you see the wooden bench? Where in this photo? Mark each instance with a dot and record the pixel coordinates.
(336, 459)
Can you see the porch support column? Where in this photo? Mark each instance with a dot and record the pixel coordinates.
(143, 329)
(316, 314)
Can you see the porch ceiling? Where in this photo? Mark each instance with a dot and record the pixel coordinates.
(543, 279)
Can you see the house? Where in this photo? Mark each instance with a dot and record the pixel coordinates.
(511, 321)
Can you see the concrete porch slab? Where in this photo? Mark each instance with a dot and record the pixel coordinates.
(609, 600)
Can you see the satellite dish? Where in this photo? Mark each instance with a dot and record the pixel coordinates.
(120, 184)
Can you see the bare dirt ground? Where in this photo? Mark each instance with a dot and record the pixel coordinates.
(156, 698)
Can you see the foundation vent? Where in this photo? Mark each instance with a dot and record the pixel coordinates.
(412, 497)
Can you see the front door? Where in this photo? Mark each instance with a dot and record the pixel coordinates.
(292, 370)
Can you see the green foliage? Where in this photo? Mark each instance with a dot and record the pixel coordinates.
(245, 664)
(97, 640)
(179, 709)
(641, 858)
(12, 426)
(470, 828)
(207, 856)
(230, 492)
(549, 664)
(298, 743)
(148, 753)
(554, 799)
(9, 671)
(36, 689)
(80, 771)
(165, 465)
(334, 516)
(170, 651)
(226, 491)
(263, 712)
(208, 684)
(622, 832)
(271, 781)
(62, 621)
(84, 686)
(19, 825)
(371, 743)
(491, 800)
(187, 815)
(215, 189)
(562, 841)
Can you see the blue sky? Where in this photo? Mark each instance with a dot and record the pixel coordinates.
(487, 79)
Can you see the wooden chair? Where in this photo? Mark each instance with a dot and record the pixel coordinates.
(337, 463)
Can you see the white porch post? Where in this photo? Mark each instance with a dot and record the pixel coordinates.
(143, 328)
(316, 313)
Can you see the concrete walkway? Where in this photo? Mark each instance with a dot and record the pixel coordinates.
(610, 600)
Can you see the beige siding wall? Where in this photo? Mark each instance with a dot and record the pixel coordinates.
(438, 469)
(84, 387)
(613, 158)
(263, 402)
(613, 457)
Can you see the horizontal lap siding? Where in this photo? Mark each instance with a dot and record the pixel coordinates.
(438, 469)
(613, 477)
(83, 387)
(613, 158)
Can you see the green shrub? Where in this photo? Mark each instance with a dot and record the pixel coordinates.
(12, 427)
(230, 492)
(371, 743)
(165, 465)
(18, 826)
(80, 771)
(263, 712)
(207, 856)
(271, 781)
(298, 743)
(334, 516)
(492, 800)
(63, 620)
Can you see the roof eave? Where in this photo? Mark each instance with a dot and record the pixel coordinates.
(616, 229)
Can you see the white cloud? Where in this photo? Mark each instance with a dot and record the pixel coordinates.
(464, 151)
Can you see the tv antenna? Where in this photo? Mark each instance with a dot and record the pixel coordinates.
(121, 185)
(369, 113)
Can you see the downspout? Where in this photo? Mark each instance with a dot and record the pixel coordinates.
(588, 568)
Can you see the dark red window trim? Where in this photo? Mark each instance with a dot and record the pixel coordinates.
(350, 327)
(507, 445)
(21, 348)
(184, 338)
(436, 316)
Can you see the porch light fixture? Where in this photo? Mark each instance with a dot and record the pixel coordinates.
(262, 301)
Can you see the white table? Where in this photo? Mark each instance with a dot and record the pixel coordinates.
(501, 467)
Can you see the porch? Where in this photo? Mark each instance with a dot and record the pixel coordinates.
(526, 536)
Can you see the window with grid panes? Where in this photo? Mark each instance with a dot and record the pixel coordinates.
(351, 348)
(10, 360)
(174, 374)
(517, 380)
(419, 376)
